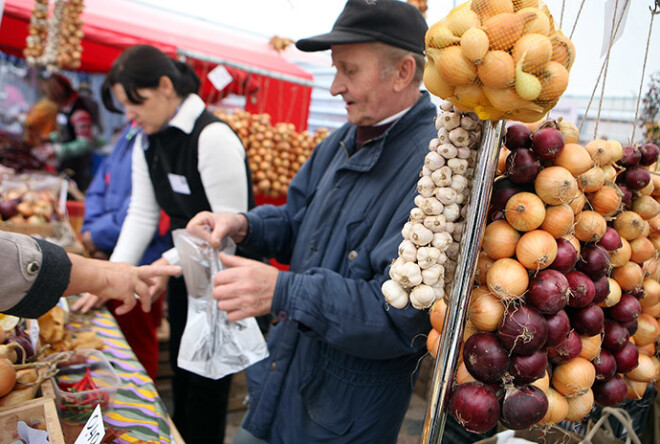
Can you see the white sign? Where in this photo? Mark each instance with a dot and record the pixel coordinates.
(621, 10)
(220, 77)
(94, 431)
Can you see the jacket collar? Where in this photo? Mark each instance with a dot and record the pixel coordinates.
(187, 113)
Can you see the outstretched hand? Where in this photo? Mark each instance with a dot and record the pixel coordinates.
(214, 227)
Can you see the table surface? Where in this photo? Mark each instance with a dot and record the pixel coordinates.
(137, 410)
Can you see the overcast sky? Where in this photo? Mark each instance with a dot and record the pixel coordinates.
(301, 18)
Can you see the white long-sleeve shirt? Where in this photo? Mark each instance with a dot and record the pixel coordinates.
(221, 165)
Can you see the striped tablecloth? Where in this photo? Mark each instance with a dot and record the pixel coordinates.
(137, 408)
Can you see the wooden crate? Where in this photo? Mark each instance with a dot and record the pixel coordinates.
(37, 411)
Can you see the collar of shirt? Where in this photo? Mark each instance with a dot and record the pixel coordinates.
(187, 113)
(366, 133)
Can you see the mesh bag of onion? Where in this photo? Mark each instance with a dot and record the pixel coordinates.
(501, 59)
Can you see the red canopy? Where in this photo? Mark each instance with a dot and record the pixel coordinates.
(284, 89)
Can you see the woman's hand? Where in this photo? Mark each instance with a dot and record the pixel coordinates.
(159, 285)
(86, 302)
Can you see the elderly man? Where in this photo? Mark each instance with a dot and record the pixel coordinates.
(342, 364)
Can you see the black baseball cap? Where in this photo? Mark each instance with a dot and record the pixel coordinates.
(393, 22)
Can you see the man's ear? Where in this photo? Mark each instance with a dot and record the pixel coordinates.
(405, 72)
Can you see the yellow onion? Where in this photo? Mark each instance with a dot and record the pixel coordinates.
(651, 292)
(543, 382)
(647, 331)
(645, 370)
(507, 99)
(500, 239)
(609, 173)
(629, 276)
(522, 4)
(540, 24)
(557, 408)
(438, 36)
(537, 51)
(525, 211)
(573, 378)
(556, 185)
(646, 206)
(507, 279)
(606, 200)
(600, 151)
(590, 346)
(577, 204)
(435, 83)
(641, 249)
(505, 29)
(569, 129)
(574, 158)
(470, 95)
(485, 310)
(590, 226)
(461, 19)
(536, 250)
(629, 225)
(496, 69)
(554, 81)
(432, 342)
(636, 389)
(580, 406)
(437, 314)
(574, 241)
(463, 375)
(621, 256)
(489, 8)
(474, 44)
(483, 265)
(616, 149)
(614, 295)
(528, 86)
(563, 50)
(591, 180)
(455, 67)
(559, 220)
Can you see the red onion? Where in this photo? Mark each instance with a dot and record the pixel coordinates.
(517, 136)
(627, 309)
(626, 358)
(611, 240)
(638, 293)
(587, 321)
(631, 156)
(548, 291)
(626, 192)
(631, 327)
(475, 407)
(528, 368)
(503, 189)
(605, 365)
(567, 350)
(547, 143)
(496, 215)
(523, 330)
(615, 335)
(558, 327)
(637, 178)
(602, 289)
(567, 256)
(611, 392)
(650, 153)
(523, 407)
(485, 357)
(522, 166)
(594, 261)
(582, 289)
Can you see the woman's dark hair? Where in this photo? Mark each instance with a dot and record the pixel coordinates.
(57, 88)
(142, 66)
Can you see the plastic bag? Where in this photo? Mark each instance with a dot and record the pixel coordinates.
(211, 345)
(501, 59)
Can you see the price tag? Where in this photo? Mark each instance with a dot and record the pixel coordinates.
(94, 431)
(220, 77)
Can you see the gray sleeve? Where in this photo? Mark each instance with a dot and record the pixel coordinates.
(34, 275)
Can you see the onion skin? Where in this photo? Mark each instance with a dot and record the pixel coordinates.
(559, 326)
(518, 136)
(605, 365)
(548, 291)
(567, 350)
(547, 143)
(523, 407)
(628, 309)
(523, 330)
(626, 358)
(522, 166)
(611, 240)
(475, 407)
(574, 377)
(594, 261)
(528, 368)
(615, 335)
(485, 357)
(566, 258)
(611, 392)
(582, 289)
(587, 321)
(602, 287)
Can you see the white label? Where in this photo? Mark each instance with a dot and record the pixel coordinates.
(94, 431)
(179, 183)
(219, 77)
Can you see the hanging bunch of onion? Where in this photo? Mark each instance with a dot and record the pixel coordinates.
(275, 151)
(35, 42)
(71, 34)
(566, 300)
(426, 256)
(502, 59)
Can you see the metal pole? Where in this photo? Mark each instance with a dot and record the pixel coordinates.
(452, 333)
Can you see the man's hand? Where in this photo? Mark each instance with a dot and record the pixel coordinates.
(244, 289)
(159, 285)
(215, 227)
(86, 302)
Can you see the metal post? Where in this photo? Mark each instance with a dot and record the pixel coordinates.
(452, 333)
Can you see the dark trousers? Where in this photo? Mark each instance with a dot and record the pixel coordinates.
(200, 404)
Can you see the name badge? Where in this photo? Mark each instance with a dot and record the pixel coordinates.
(179, 183)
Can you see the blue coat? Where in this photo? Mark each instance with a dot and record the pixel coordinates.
(342, 364)
(107, 199)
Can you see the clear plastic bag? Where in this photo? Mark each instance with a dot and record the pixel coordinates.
(211, 345)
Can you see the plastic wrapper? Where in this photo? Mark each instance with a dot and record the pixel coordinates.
(211, 345)
(501, 59)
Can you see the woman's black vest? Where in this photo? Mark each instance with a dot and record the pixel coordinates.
(171, 151)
